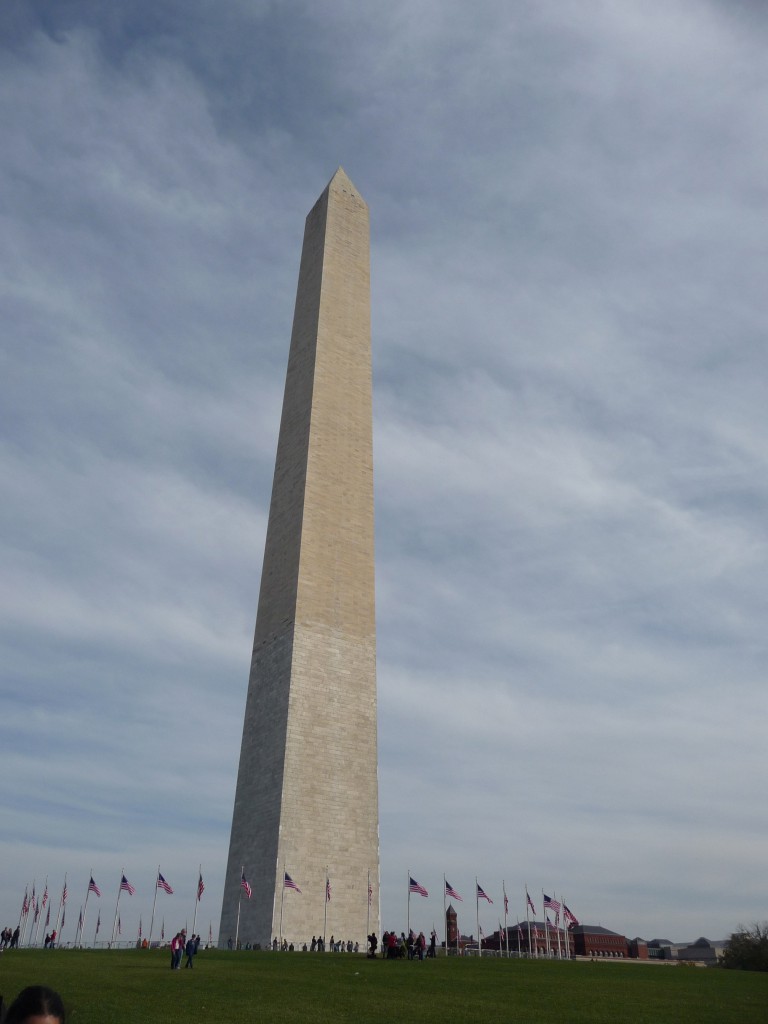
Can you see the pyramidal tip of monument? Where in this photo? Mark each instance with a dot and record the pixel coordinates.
(342, 180)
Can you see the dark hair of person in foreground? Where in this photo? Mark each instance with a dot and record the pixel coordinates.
(35, 1005)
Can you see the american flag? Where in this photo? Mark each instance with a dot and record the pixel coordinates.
(327, 889)
(48, 917)
(506, 903)
(25, 904)
(244, 884)
(37, 909)
(45, 895)
(413, 886)
(550, 902)
(63, 916)
(162, 884)
(370, 893)
(289, 883)
(450, 891)
(126, 885)
(162, 930)
(92, 887)
(569, 917)
(98, 923)
(530, 902)
(64, 893)
(139, 927)
(200, 887)
(119, 929)
(481, 895)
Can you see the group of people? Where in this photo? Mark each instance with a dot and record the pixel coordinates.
(180, 945)
(9, 939)
(395, 947)
(334, 945)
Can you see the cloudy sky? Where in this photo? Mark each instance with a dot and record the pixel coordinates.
(568, 207)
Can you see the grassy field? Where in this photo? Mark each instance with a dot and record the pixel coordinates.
(128, 987)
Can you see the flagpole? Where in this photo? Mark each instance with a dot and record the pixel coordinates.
(45, 900)
(117, 904)
(239, 898)
(527, 919)
(282, 901)
(368, 917)
(546, 925)
(408, 916)
(506, 929)
(85, 908)
(197, 897)
(37, 926)
(445, 919)
(61, 903)
(45, 894)
(152, 919)
(23, 904)
(566, 936)
(26, 916)
(557, 930)
(325, 906)
(477, 912)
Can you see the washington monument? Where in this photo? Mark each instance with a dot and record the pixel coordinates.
(306, 803)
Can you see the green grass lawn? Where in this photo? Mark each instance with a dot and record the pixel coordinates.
(125, 987)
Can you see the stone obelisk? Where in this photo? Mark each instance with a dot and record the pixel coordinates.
(306, 802)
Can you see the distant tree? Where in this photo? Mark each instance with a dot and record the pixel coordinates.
(747, 949)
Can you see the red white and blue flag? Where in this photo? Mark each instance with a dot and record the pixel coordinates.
(162, 884)
(482, 895)
(550, 902)
(569, 917)
(45, 895)
(327, 889)
(370, 893)
(126, 885)
(450, 891)
(413, 886)
(64, 893)
(530, 902)
(289, 883)
(200, 887)
(92, 887)
(245, 886)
